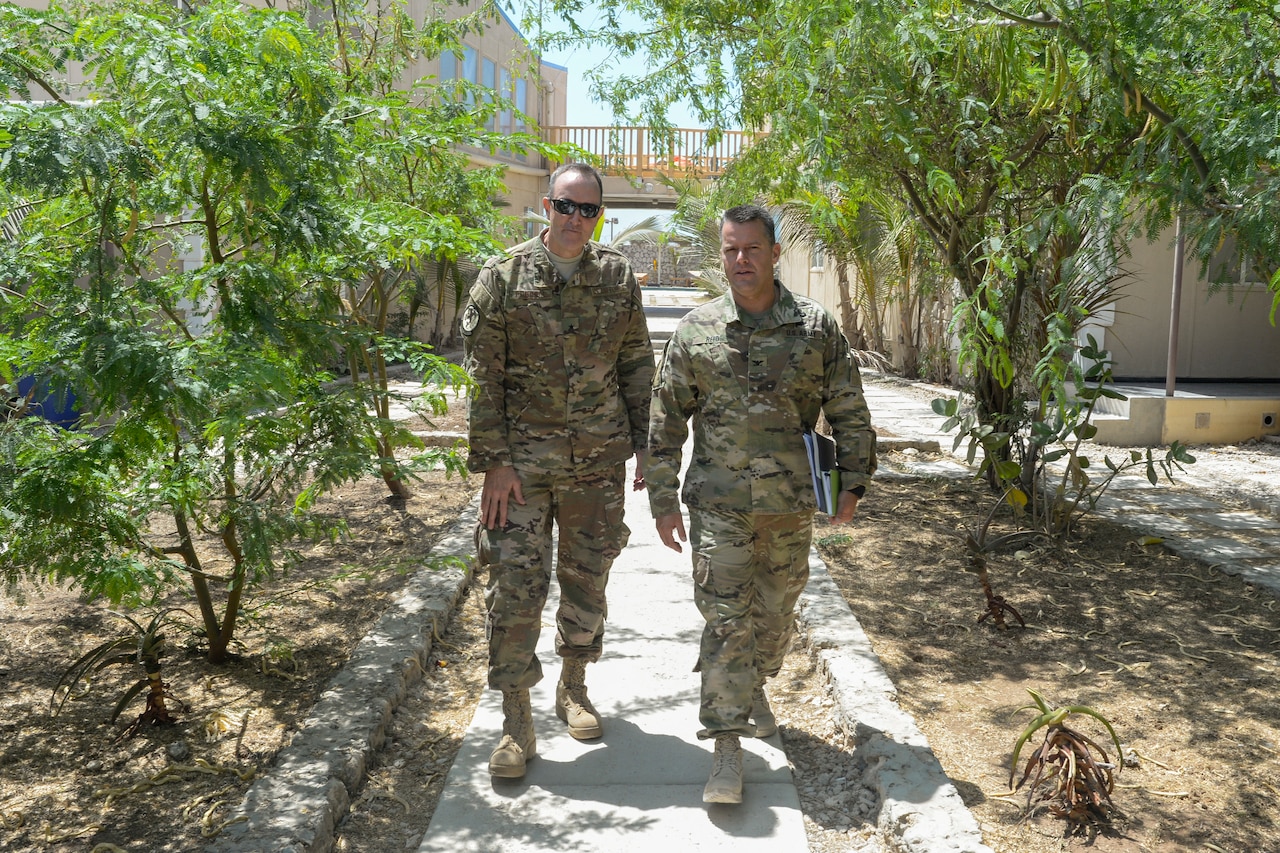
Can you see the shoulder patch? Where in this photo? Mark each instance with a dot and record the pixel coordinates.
(470, 319)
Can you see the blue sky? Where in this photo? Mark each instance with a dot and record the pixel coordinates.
(582, 110)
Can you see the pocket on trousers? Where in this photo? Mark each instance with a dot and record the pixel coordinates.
(702, 570)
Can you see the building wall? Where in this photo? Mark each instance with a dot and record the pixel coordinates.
(810, 275)
(1220, 336)
(500, 58)
(673, 270)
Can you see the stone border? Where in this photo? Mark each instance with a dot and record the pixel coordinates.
(920, 809)
(297, 805)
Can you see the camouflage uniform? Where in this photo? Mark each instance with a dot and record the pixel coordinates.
(563, 373)
(752, 385)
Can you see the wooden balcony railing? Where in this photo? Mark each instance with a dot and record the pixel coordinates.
(634, 152)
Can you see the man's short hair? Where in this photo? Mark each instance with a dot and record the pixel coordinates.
(744, 213)
(580, 168)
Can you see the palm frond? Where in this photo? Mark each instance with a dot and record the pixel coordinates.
(644, 230)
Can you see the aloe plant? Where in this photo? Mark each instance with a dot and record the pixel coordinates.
(143, 646)
(1063, 772)
(979, 544)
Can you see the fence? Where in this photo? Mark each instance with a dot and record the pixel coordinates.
(636, 152)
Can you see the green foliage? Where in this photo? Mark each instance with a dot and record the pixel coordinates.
(1040, 461)
(226, 209)
(1047, 716)
(1018, 140)
(1064, 772)
(834, 540)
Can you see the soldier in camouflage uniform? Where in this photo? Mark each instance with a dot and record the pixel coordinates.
(753, 369)
(557, 344)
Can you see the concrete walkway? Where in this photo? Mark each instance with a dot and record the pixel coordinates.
(639, 787)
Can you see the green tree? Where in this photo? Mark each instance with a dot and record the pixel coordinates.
(1017, 138)
(1200, 79)
(416, 208)
(193, 223)
(828, 219)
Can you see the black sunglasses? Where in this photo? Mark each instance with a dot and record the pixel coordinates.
(566, 207)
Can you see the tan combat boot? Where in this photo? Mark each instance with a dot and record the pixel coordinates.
(518, 743)
(762, 714)
(572, 704)
(725, 784)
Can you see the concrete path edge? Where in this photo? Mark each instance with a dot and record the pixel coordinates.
(920, 809)
(297, 805)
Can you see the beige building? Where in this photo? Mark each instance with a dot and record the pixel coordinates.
(499, 58)
(1222, 336)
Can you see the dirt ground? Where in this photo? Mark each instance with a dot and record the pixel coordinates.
(1180, 658)
(69, 784)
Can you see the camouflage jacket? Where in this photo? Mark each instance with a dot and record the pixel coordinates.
(751, 393)
(562, 369)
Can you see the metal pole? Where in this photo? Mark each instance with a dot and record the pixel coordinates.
(1171, 368)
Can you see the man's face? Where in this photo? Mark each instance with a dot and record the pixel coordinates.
(748, 256)
(569, 232)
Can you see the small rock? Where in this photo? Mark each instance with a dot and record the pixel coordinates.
(179, 751)
(93, 766)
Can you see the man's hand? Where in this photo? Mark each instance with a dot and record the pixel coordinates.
(670, 526)
(638, 483)
(500, 485)
(845, 508)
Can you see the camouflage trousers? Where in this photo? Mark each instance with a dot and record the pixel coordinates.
(748, 573)
(586, 510)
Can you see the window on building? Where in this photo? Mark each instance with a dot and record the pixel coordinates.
(1230, 269)
(489, 80)
(818, 260)
(505, 122)
(469, 58)
(522, 103)
(448, 66)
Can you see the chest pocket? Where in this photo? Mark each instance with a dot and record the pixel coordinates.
(535, 325)
(597, 317)
(804, 358)
(786, 370)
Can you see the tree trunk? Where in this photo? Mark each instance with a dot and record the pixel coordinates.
(437, 333)
(848, 308)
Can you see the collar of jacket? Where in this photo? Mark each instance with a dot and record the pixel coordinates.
(783, 312)
(542, 256)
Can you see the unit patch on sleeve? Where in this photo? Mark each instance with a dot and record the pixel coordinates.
(470, 319)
